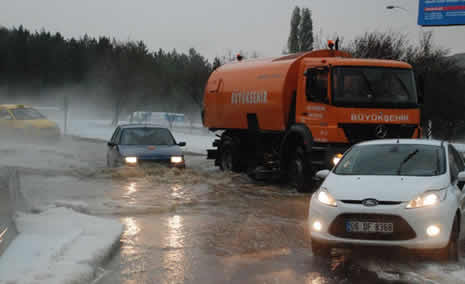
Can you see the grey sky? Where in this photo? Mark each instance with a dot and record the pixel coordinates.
(215, 26)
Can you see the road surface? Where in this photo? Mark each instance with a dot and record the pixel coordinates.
(202, 225)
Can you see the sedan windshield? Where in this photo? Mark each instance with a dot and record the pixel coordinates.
(27, 114)
(374, 87)
(146, 136)
(393, 159)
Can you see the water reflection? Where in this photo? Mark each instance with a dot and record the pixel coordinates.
(129, 238)
(131, 188)
(174, 258)
(176, 191)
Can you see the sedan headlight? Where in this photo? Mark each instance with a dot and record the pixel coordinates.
(176, 159)
(427, 199)
(324, 197)
(131, 160)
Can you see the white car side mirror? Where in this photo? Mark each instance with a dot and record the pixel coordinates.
(461, 177)
(324, 173)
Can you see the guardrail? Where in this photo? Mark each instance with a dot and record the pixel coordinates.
(9, 192)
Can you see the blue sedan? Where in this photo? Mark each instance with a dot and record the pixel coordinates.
(141, 144)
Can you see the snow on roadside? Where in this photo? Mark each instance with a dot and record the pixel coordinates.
(198, 139)
(58, 245)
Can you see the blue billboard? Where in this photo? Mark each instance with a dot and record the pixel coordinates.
(441, 12)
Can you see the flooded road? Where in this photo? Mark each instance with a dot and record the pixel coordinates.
(201, 225)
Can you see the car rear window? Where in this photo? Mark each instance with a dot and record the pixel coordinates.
(393, 159)
(146, 136)
(26, 114)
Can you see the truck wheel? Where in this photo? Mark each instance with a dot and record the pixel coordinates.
(300, 172)
(229, 157)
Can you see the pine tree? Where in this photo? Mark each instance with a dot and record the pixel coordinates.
(293, 41)
(306, 31)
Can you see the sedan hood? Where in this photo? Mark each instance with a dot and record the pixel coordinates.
(382, 188)
(149, 151)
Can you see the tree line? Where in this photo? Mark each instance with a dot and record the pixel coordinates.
(121, 76)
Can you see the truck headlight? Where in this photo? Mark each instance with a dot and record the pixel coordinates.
(337, 158)
(176, 159)
(324, 197)
(131, 160)
(427, 199)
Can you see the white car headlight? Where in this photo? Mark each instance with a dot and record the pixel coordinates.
(427, 199)
(176, 159)
(130, 160)
(324, 197)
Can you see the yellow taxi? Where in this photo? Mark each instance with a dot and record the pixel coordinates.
(26, 121)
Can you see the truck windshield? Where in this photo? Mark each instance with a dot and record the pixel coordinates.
(374, 87)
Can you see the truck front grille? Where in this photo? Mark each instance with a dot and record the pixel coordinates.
(361, 132)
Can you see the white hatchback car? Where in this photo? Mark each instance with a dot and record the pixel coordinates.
(403, 193)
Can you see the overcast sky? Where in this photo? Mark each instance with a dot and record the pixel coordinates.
(214, 27)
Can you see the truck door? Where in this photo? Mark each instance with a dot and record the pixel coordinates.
(314, 95)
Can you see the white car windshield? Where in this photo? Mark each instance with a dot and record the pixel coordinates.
(393, 159)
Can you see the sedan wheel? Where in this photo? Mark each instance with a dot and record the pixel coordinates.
(226, 160)
(300, 173)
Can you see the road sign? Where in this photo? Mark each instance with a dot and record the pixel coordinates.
(441, 12)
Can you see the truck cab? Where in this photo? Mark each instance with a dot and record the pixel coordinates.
(344, 102)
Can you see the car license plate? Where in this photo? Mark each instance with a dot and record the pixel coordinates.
(369, 227)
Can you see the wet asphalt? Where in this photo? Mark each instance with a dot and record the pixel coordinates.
(201, 225)
(214, 227)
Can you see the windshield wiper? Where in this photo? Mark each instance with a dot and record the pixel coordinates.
(409, 156)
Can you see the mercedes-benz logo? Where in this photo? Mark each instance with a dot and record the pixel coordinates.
(370, 202)
(381, 131)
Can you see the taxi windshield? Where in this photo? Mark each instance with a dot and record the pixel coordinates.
(146, 136)
(27, 114)
(374, 87)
